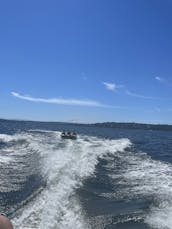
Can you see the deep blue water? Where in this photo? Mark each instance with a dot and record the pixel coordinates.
(107, 178)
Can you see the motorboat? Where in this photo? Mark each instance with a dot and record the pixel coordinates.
(69, 135)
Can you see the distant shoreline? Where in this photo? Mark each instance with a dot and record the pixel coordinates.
(118, 125)
(132, 125)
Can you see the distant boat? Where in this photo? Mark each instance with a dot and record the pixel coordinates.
(69, 135)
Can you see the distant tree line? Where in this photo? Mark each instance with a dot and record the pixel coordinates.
(133, 125)
(23, 124)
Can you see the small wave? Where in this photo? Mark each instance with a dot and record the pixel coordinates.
(17, 160)
(4, 159)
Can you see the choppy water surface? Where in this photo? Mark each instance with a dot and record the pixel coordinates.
(107, 178)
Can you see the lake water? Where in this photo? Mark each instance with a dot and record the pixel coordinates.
(107, 178)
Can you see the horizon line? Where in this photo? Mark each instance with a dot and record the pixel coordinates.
(83, 123)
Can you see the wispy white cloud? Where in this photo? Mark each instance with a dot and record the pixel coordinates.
(111, 86)
(140, 96)
(164, 81)
(72, 102)
(59, 100)
(159, 79)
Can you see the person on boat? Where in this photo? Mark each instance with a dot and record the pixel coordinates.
(5, 223)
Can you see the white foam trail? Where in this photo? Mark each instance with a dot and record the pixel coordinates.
(5, 137)
(147, 178)
(8, 138)
(65, 165)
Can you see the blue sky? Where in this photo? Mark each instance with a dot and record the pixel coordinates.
(86, 60)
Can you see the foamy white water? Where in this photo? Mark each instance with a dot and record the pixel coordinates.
(153, 178)
(64, 166)
(144, 178)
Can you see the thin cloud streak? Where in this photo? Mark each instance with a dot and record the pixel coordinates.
(141, 96)
(61, 101)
